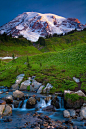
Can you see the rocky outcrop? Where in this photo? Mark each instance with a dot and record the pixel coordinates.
(31, 102)
(66, 113)
(47, 88)
(18, 95)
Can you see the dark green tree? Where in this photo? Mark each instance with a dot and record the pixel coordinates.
(41, 41)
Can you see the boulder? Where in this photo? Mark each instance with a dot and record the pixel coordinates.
(9, 99)
(8, 110)
(49, 108)
(40, 89)
(2, 108)
(80, 93)
(15, 86)
(72, 113)
(47, 88)
(19, 78)
(66, 113)
(83, 112)
(35, 85)
(31, 102)
(2, 102)
(18, 94)
(24, 85)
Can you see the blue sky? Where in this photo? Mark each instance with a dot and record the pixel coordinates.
(9, 9)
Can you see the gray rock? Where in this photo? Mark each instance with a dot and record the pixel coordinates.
(35, 85)
(47, 88)
(18, 94)
(83, 112)
(72, 112)
(40, 89)
(80, 93)
(15, 86)
(24, 85)
(19, 78)
(66, 113)
(8, 110)
(2, 108)
(76, 79)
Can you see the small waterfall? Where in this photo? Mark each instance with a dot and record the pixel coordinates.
(19, 104)
(24, 104)
(61, 102)
(43, 104)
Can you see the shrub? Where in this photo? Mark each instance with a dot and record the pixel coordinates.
(41, 41)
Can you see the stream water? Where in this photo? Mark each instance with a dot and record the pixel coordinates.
(18, 113)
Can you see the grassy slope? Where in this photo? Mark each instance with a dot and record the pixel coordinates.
(19, 47)
(64, 42)
(57, 68)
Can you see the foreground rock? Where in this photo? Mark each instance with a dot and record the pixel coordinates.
(31, 102)
(7, 111)
(66, 113)
(2, 108)
(18, 95)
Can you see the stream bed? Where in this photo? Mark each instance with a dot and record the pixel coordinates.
(20, 116)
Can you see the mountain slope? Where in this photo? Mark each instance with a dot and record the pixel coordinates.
(33, 25)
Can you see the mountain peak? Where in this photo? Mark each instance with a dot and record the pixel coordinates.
(33, 25)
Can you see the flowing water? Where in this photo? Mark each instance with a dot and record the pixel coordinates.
(21, 112)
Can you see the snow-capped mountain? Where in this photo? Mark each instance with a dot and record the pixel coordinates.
(33, 25)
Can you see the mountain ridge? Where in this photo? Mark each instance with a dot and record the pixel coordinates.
(33, 25)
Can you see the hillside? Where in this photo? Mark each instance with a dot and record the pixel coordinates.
(21, 46)
(64, 42)
(57, 68)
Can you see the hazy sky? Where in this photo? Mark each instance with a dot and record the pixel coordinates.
(9, 9)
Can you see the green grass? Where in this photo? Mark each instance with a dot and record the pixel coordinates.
(73, 97)
(18, 47)
(64, 42)
(57, 68)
